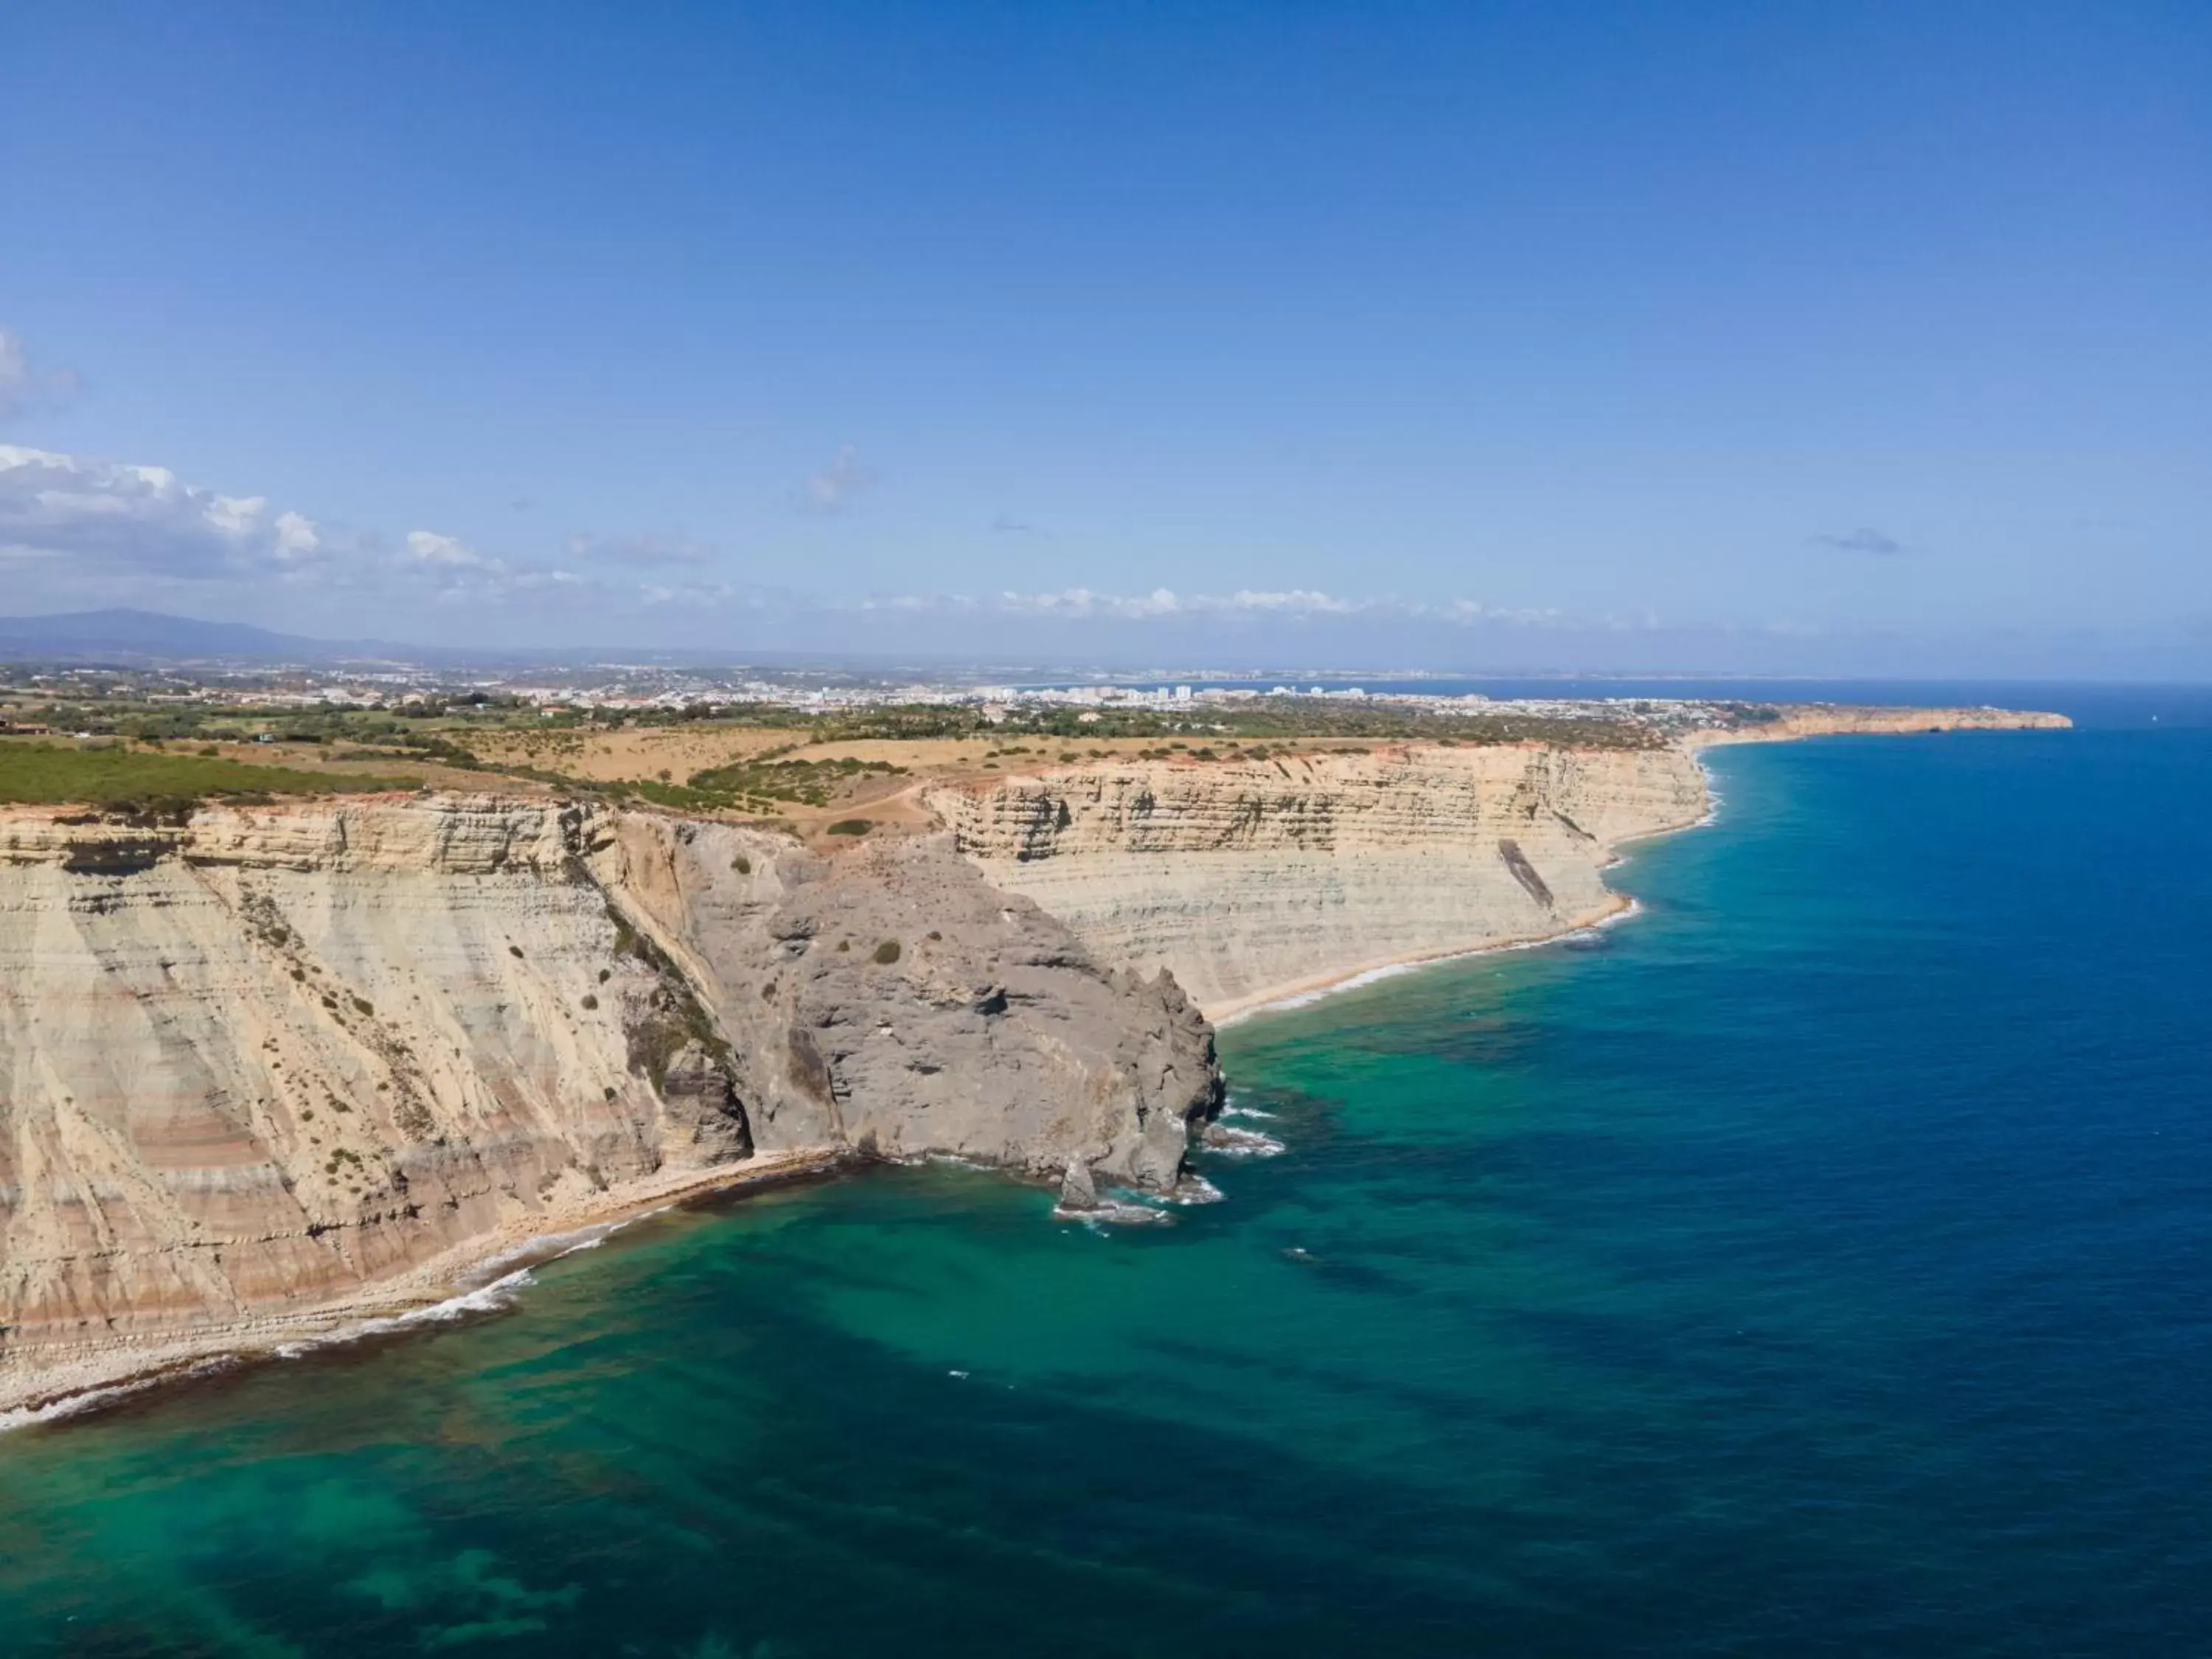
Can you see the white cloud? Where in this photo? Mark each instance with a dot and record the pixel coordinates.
(145, 518)
(1296, 603)
(1166, 602)
(93, 528)
(22, 387)
(428, 547)
(1082, 602)
(836, 484)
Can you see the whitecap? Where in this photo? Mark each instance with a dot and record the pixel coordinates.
(93, 1400)
(1194, 1189)
(1241, 1143)
(1111, 1212)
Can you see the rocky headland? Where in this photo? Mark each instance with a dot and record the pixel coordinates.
(268, 1071)
(271, 1069)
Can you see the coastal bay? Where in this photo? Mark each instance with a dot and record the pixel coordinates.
(186, 999)
(1840, 1187)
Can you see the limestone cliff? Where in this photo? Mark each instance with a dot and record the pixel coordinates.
(1829, 719)
(1253, 879)
(264, 1067)
(267, 1059)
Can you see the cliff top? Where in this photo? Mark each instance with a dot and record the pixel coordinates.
(838, 779)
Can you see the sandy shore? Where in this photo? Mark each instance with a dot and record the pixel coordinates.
(57, 1381)
(1300, 991)
(1618, 907)
(1848, 720)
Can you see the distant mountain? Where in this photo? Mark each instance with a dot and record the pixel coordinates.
(150, 637)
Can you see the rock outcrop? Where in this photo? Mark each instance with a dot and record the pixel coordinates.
(266, 1058)
(1251, 880)
(891, 999)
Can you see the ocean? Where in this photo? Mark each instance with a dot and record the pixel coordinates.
(1816, 1263)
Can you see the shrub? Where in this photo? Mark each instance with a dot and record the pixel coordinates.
(852, 827)
(515, 950)
(363, 1007)
(742, 865)
(887, 953)
(590, 1001)
(117, 779)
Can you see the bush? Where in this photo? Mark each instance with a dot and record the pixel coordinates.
(887, 953)
(742, 865)
(590, 1002)
(852, 827)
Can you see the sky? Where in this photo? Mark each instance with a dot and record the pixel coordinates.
(1767, 338)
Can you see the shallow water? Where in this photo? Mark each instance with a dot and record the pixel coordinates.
(1816, 1265)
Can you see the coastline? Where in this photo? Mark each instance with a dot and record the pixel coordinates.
(68, 1380)
(59, 1379)
(1300, 992)
(1796, 726)
(1621, 908)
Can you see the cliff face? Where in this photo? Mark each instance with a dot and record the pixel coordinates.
(991, 1033)
(270, 1057)
(1253, 879)
(1815, 720)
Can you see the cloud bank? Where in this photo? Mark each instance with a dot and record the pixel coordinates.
(145, 518)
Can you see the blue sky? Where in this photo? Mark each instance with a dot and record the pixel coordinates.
(1845, 338)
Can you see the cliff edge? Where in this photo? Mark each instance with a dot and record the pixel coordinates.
(1254, 880)
(268, 1067)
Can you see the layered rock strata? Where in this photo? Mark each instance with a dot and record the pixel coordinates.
(270, 1058)
(1252, 880)
(1833, 719)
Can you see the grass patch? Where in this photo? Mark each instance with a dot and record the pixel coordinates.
(117, 779)
(851, 826)
(765, 778)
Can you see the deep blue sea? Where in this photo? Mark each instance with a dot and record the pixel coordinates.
(1819, 1263)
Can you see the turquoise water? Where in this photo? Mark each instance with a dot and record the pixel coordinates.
(1816, 1265)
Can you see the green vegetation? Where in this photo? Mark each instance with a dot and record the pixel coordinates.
(672, 1017)
(887, 953)
(766, 778)
(118, 780)
(852, 827)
